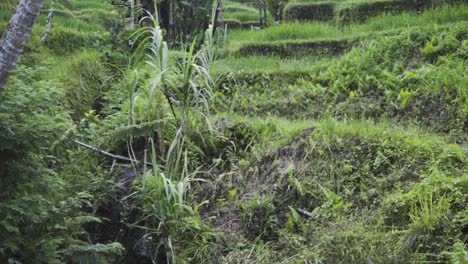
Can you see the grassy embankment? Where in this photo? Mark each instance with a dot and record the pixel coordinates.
(370, 144)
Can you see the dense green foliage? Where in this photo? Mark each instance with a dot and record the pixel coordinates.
(43, 208)
(304, 142)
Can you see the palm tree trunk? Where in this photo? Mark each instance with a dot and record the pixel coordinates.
(17, 34)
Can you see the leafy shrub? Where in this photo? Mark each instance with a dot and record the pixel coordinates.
(39, 220)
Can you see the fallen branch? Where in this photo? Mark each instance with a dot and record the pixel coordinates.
(304, 212)
(105, 153)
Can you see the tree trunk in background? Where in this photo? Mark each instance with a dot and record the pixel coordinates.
(17, 34)
(132, 14)
(261, 12)
(165, 16)
(49, 23)
(264, 13)
(221, 13)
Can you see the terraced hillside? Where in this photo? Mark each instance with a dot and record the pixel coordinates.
(339, 135)
(354, 139)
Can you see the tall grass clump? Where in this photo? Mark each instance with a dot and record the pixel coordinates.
(429, 212)
(176, 99)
